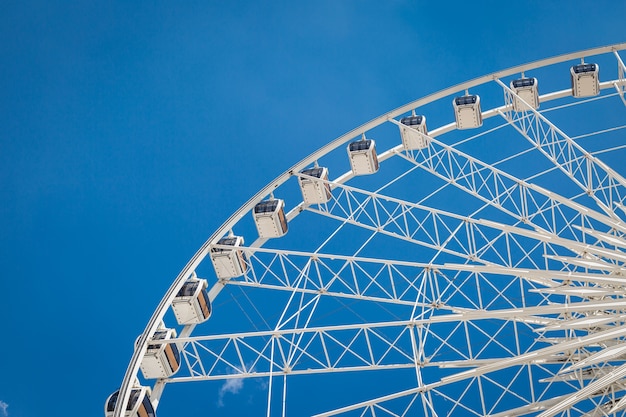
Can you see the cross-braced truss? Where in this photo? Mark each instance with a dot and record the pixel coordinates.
(447, 283)
(595, 178)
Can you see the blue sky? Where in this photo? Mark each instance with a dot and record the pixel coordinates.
(131, 131)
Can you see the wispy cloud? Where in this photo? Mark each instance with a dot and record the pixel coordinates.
(232, 386)
(3, 409)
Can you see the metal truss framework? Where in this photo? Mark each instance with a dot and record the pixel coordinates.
(350, 278)
(595, 178)
(517, 309)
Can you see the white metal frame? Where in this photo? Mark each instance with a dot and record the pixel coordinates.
(539, 253)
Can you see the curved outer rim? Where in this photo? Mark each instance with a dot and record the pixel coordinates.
(157, 317)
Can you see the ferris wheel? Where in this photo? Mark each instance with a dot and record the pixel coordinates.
(461, 255)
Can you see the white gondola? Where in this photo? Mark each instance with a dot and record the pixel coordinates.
(413, 132)
(314, 191)
(526, 89)
(191, 305)
(363, 158)
(161, 360)
(229, 263)
(585, 80)
(467, 112)
(270, 219)
(139, 404)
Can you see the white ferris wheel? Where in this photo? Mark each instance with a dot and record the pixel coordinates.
(461, 255)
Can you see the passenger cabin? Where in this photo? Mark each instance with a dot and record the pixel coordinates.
(229, 263)
(585, 80)
(413, 132)
(313, 190)
(363, 158)
(191, 305)
(139, 404)
(525, 89)
(467, 112)
(270, 219)
(161, 360)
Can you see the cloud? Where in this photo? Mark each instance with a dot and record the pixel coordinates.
(232, 386)
(3, 408)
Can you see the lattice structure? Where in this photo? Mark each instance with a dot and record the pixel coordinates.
(480, 273)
